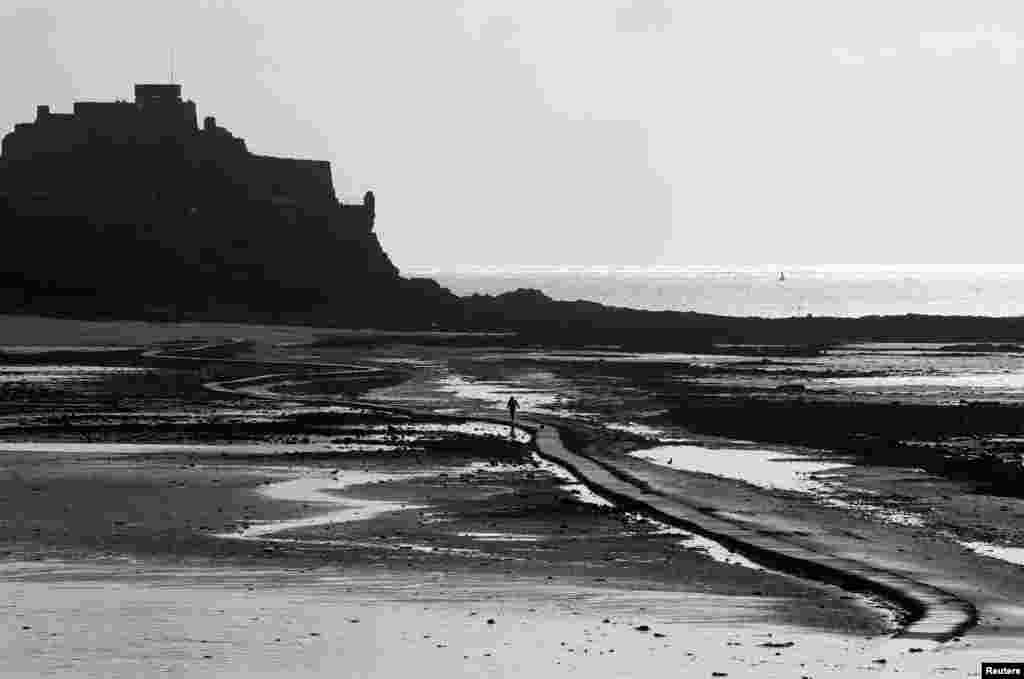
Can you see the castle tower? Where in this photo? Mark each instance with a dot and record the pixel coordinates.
(163, 102)
(369, 202)
(155, 96)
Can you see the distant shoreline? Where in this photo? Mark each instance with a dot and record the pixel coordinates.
(586, 324)
(771, 292)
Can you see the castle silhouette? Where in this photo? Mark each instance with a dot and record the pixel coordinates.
(132, 205)
(114, 155)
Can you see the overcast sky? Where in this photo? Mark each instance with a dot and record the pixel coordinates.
(613, 132)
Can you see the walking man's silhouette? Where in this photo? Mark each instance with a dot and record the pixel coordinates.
(513, 405)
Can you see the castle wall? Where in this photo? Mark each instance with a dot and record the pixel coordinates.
(306, 182)
(153, 150)
(59, 133)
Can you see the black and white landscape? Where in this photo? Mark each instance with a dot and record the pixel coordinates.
(267, 296)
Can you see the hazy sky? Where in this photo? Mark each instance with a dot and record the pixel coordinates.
(639, 132)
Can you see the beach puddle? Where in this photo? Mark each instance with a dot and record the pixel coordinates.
(324, 490)
(501, 537)
(703, 360)
(774, 471)
(1001, 381)
(114, 449)
(89, 448)
(313, 489)
(53, 374)
(365, 446)
(496, 394)
(1014, 555)
(768, 469)
(28, 350)
(638, 429)
(706, 546)
(412, 362)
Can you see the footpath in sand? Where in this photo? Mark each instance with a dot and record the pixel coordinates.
(952, 593)
(939, 615)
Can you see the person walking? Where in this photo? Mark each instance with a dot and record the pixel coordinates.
(513, 406)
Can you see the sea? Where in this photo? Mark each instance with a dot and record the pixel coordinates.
(766, 291)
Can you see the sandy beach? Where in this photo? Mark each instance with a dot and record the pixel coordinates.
(309, 624)
(153, 525)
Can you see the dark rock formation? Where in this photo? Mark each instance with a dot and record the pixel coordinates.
(535, 317)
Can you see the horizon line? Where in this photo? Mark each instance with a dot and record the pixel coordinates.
(907, 268)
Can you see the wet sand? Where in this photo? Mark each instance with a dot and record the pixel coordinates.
(506, 533)
(358, 509)
(106, 596)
